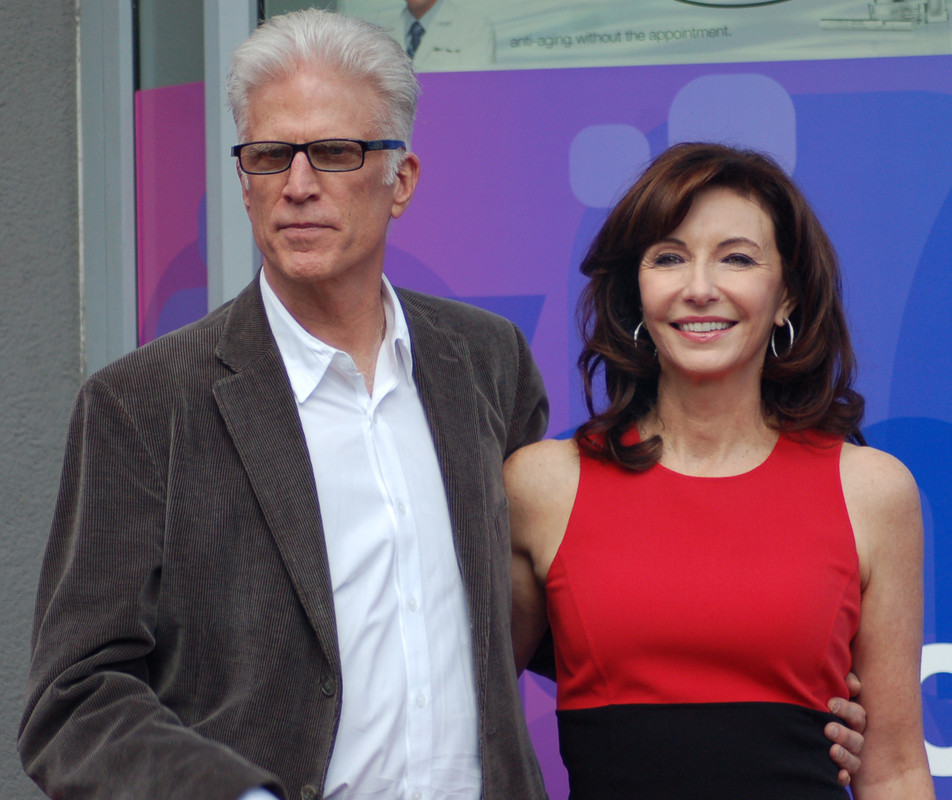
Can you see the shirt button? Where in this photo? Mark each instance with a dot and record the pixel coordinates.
(402, 509)
(416, 796)
(421, 700)
(412, 603)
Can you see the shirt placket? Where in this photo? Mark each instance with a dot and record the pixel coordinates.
(408, 585)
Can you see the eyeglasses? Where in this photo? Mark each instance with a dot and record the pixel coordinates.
(326, 155)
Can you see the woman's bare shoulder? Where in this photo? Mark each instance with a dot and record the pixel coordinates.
(875, 481)
(539, 453)
(882, 501)
(541, 480)
(546, 464)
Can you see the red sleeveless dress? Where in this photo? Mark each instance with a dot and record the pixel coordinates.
(701, 625)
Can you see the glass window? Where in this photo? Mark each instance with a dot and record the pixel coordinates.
(169, 42)
(271, 8)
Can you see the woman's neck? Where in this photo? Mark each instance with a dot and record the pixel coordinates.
(709, 428)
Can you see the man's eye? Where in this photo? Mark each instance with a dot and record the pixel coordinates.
(331, 151)
(268, 152)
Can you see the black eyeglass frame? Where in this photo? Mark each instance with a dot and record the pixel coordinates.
(365, 146)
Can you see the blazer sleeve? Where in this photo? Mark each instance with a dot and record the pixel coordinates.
(530, 415)
(93, 726)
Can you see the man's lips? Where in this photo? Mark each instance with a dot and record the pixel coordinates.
(302, 226)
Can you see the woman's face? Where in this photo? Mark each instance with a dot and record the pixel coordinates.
(712, 290)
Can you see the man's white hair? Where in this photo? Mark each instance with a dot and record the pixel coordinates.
(350, 47)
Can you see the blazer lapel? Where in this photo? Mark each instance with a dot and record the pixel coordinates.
(444, 377)
(258, 407)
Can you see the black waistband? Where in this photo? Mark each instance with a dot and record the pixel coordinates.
(710, 751)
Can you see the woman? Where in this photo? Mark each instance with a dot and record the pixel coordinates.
(714, 549)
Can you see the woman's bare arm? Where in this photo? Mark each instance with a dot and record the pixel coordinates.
(883, 504)
(540, 481)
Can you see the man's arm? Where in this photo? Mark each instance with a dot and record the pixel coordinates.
(93, 726)
(530, 415)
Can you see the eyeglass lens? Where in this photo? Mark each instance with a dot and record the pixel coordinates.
(337, 155)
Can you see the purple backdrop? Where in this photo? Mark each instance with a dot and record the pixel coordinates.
(518, 170)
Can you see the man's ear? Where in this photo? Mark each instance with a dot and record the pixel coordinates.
(404, 184)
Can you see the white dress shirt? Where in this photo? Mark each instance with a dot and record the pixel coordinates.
(408, 725)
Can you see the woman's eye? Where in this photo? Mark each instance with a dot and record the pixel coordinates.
(666, 259)
(740, 259)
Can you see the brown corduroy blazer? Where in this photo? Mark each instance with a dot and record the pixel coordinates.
(184, 642)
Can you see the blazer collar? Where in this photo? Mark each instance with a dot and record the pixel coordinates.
(260, 413)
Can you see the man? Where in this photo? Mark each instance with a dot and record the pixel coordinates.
(280, 556)
(279, 562)
(439, 35)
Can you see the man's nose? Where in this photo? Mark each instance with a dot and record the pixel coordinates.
(302, 178)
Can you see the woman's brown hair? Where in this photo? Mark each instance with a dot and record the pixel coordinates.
(807, 386)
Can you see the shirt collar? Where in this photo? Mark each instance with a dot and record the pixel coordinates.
(397, 338)
(307, 358)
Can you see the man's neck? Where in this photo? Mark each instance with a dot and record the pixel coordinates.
(347, 315)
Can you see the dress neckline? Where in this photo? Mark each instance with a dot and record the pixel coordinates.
(633, 437)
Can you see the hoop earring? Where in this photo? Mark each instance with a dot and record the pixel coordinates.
(773, 338)
(638, 328)
(634, 336)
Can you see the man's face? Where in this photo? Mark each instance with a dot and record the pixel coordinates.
(419, 7)
(317, 230)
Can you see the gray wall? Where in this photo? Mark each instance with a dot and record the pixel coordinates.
(40, 360)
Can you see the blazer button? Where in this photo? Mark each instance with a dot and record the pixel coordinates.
(329, 687)
(308, 793)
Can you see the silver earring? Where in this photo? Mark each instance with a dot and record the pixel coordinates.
(634, 336)
(773, 338)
